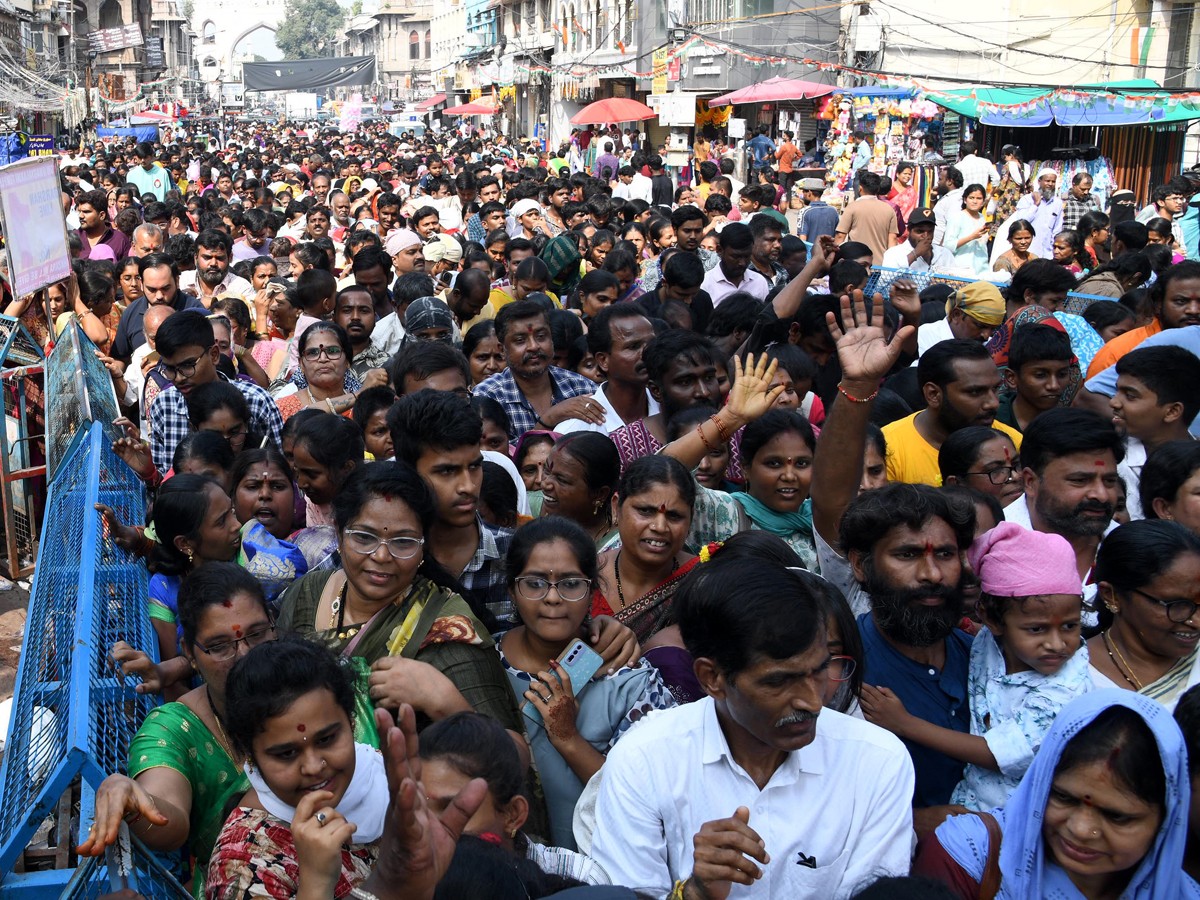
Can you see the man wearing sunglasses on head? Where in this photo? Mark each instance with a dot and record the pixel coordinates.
(188, 355)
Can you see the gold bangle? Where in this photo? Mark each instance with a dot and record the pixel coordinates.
(677, 890)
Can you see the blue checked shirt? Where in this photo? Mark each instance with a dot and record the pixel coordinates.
(522, 417)
(483, 578)
(169, 419)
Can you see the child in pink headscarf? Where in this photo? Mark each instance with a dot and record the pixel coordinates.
(1026, 664)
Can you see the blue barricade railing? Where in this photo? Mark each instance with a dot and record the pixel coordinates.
(79, 391)
(880, 281)
(73, 713)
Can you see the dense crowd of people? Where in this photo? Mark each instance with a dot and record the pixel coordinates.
(526, 527)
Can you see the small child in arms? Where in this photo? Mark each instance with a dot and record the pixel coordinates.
(1026, 664)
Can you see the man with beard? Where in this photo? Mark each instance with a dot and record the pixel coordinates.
(960, 383)
(534, 393)
(1070, 459)
(764, 254)
(617, 337)
(757, 784)
(372, 270)
(681, 372)
(896, 553)
(1175, 299)
(354, 310)
(160, 286)
(212, 278)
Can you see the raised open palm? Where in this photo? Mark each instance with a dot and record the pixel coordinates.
(752, 395)
(862, 346)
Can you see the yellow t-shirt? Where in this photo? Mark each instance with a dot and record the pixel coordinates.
(912, 459)
(501, 297)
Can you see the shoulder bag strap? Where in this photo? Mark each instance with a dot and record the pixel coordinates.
(989, 886)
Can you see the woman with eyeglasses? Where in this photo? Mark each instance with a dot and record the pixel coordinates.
(219, 406)
(182, 769)
(984, 460)
(324, 380)
(1148, 573)
(394, 605)
(551, 569)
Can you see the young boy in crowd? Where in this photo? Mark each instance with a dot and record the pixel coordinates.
(1158, 395)
(314, 295)
(1039, 370)
(370, 414)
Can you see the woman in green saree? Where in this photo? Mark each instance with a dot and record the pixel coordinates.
(182, 769)
(393, 606)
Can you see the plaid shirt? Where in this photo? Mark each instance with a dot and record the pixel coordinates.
(522, 417)
(1074, 210)
(483, 578)
(652, 274)
(168, 419)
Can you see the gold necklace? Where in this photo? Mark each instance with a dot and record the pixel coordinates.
(1122, 666)
(221, 736)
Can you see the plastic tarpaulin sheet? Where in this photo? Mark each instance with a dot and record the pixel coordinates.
(308, 74)
(140, 132)
(1137, 102)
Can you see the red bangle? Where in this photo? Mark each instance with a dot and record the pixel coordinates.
(843, 392)
(720, 428)
(700, 431)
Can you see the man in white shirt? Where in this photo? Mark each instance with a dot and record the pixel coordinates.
(640, 186)
(918, 252)
(211, 278)
(975, 169)
(732, 274)
(756, 785)
(616, 337)
(951, 202)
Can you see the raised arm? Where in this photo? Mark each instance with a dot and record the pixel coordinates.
(865, 358)
(749, 399)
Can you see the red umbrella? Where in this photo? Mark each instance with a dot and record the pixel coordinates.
(773, 90)
(470, 109)
(613, 110)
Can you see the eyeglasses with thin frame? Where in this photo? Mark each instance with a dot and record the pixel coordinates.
(366, 543)
(999, 475)
(572, 589)
(1178, 610)
(225, 650)
(333, 351)
(185, 369)
(841, 668)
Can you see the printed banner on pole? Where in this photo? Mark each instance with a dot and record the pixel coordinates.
(35, 235)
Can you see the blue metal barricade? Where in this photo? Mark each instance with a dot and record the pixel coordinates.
(79, 391)
(880, 281)
(73, 713)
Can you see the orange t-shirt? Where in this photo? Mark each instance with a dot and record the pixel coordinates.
(1119, 346)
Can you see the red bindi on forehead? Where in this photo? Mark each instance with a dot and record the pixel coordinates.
(301, 728)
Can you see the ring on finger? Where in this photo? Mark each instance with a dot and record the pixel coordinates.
(320, 817)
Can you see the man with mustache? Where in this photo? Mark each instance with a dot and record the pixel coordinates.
(616, 337)
(1070, 459)
(1175, 298)
(757, 784)
(960, 384)
(897, 553)
(534, 393)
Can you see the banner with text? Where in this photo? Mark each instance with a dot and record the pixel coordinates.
(34, 231)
